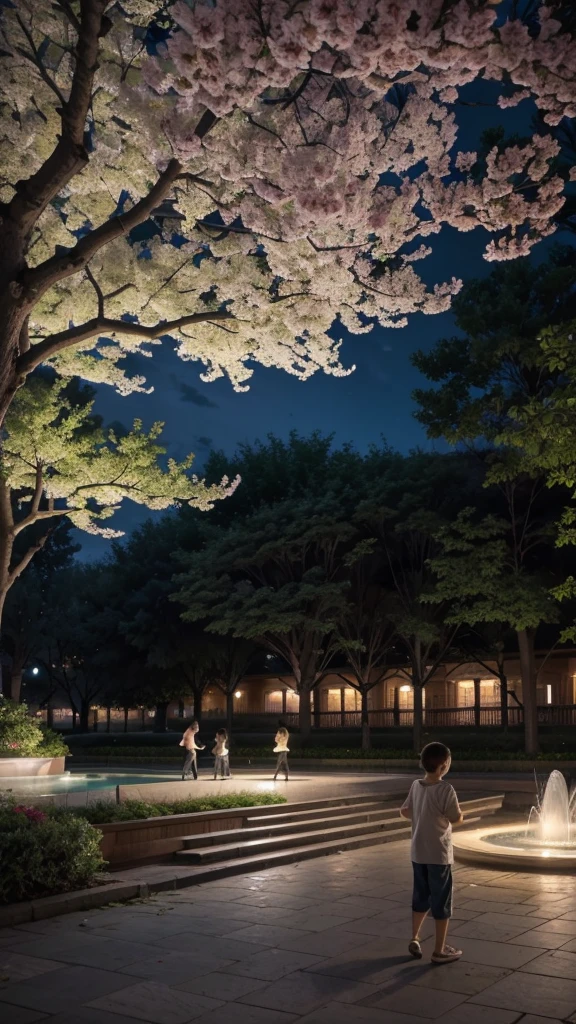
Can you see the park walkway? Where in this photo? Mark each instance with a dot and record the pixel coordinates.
(322, 942)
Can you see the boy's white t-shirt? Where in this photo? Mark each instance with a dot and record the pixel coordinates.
(433, 808)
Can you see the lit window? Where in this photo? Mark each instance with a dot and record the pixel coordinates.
(548, 693)
(273, 702)
(293, 701)
(333, 700)
(352, 699)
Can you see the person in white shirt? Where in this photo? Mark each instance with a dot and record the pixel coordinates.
(281, 740)
(190, 768)
(432, 807)
(221, 754)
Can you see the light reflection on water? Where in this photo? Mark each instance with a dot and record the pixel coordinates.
(53, 785)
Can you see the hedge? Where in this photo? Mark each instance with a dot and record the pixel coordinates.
(102, 812)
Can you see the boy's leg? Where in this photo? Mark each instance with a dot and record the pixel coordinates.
(440, 876)
(420, 906)
(441, 933)
(418, 918)
(194, 764)
(278, 762)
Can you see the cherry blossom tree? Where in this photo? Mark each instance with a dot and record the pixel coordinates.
(310, 147)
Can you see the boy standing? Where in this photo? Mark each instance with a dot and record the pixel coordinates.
(189, 742)
(432, 807)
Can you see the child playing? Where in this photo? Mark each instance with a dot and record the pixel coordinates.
(192, 747)
(221, 754)
(432, 807)
(281, 748)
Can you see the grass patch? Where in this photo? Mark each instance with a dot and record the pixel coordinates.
(103, 812)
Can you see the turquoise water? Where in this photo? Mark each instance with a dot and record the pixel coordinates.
(83, 782)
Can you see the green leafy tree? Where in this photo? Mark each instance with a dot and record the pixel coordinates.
(274, 578)
(59, 462)
(366, 630)
(489, 578)
(497, 365)
(409, 500)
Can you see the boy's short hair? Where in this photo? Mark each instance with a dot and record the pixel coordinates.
(222, 732)
(433, 755)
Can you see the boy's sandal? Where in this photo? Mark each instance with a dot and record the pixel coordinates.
(447, 956)
(415, 949)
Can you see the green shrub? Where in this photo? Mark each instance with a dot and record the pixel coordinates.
(23, 736)
(101, 812)
(44, 853)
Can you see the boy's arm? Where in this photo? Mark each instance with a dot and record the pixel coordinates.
(454, 811)
(406, 809)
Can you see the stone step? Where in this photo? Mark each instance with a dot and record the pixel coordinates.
(388, 803)
(335, 802)
(239, 842)
(318, 824)
(241, 847)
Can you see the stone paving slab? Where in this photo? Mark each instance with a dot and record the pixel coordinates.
(321, 942)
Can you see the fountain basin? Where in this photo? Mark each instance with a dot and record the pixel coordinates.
(30, 767)
(509, 848)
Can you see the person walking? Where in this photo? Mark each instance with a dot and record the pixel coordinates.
(189, 741)
(221, 755)
(282, 750)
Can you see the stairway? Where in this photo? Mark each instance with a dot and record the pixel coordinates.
(287, 833)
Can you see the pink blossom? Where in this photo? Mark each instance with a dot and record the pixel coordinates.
(31, 813)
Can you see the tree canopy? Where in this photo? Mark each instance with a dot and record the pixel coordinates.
(307, 151)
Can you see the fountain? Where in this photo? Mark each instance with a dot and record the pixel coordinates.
(549, 834)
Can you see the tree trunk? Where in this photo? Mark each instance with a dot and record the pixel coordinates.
(365, 719)
(161, 715)
(49, 716)
(305, 716)
(126, 711)
(418, 727)
(108, 717)
(229, 711)
(181, 709)
(16, 685)
(198, 695)
(529, 697)
(74, 718)
(503, 702)
(84, 716)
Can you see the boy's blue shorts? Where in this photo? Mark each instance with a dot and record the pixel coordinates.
(433, 890)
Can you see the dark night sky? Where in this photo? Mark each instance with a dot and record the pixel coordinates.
(371, 404)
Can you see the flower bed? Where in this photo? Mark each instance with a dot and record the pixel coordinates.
(45, 852)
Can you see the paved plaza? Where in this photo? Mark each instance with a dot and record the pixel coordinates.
(322, 942)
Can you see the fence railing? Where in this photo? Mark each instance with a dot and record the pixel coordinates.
(554, 715)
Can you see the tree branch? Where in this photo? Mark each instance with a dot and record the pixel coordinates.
(25, 561)
(98, 290)
(37, 280)
(101, 325)
(69, 155)
(48, 514)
